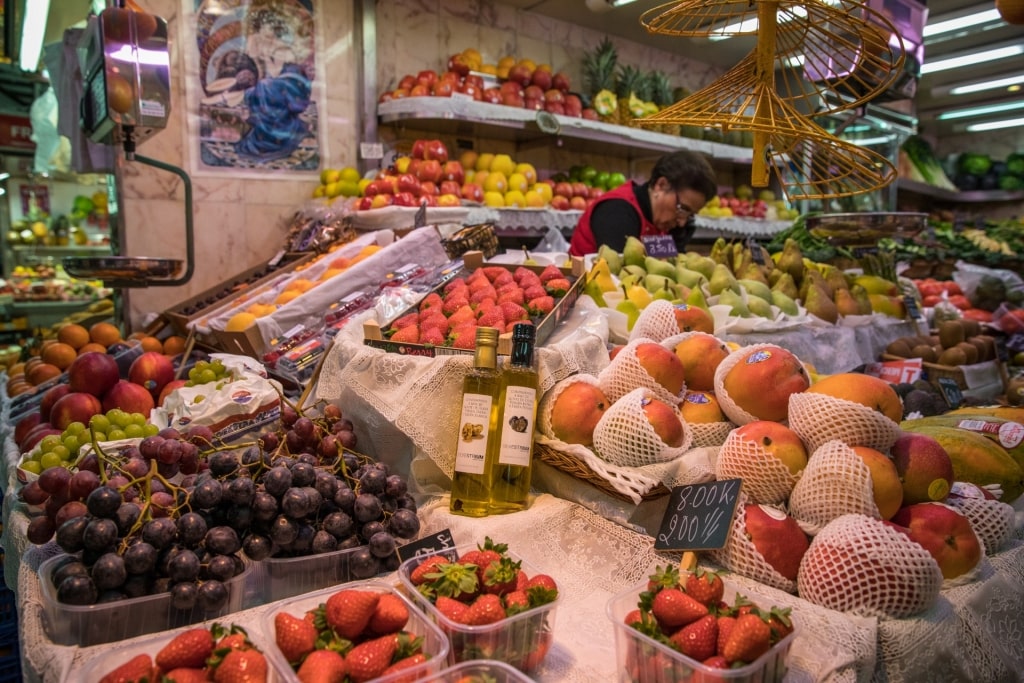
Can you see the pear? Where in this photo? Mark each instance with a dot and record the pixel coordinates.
(704, 265)
(760, 307)
(741, 257)
(792, 260)
(690, 278)
(639, 271)
(845, 303)
(654, 282)
(631, 310)
(664, 293)
(630, 279)
(529, 261)
(786, 285)
(756, 289)
(784, 303)
(613, 258)
(639, 296)
(594, 291)
(721, 280)
(775, 275)
(836, 279)
(634, 253)
(819, 303)
(738, 307)
(860, 295)
(720, 252)
(813, 278)
(752, 271)
(659, 267)
(696, 298)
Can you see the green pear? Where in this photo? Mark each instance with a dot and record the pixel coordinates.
(775, 275)
(690, 278)
(737, 307)
(631, 310)
(862, 298)
(659, 267)
(836, 279)
(664, 293)
(792, 260)
(704, 265)
(634, 253)
(721, 252)
(756, 289)
(760, 307)
(639, 271)
(592, 289)
(741, 257)
(613, 258)
(784, 303)
(812, 278)
(752, 272)
(721, 280)
(652, 282)
(818, 303)
(630, 279)
(696, 298)
(786, 285)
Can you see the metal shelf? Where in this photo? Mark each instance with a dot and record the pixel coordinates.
(954, 196)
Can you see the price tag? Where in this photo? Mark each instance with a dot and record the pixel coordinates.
(912, 310)
(441, 541)
(755, 251)
(699, 516)
(896, 371)
(951, 392)
(420, 219)
(660, 246)
(371, 150)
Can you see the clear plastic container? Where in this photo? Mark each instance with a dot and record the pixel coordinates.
(435, 645)
(277, 578)
(86, 625)
(481, 671)
(633, 650)
(522, 640)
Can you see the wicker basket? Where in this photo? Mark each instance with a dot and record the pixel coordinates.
(570, 464)
(481, 237)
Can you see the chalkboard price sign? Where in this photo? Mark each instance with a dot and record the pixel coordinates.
(951, 392)
(699, 516)
(428, 545)
(660, 246)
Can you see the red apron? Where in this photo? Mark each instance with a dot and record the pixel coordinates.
(583, 241)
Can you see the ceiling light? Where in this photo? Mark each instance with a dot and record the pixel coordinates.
(943, 25)
(994, 125)
(971, 59)
(606, 5)
(880, 140)
(980, 86)
(979, 111)
(32, 30)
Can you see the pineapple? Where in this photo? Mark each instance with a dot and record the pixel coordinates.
(599, 79)
(627, 80)
(661, 93)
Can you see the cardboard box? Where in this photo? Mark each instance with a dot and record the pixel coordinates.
(373, 335)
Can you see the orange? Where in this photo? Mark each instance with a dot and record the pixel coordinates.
(286, 296)
(19, 388)
(92, 346)
(151, 344)
(31, 363)
(73, 335)
(138, 334)
(174, 345)
(59, 354)
(42, 372)
(105, 334)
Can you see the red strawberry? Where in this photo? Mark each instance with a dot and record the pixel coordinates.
(522, 272)
(493, 318)
(390, 616)
(452, 609)
(725, 625)
(530, 280)
(541, 589)
(234, 638)
(407, 335)
(558, 287)
(716, 662)
(457, 283)
(500, 577)
(663, 578)
(478, 283)
(704, 586)
(749, 639)
(486, 609)
(514, 295)
(371, 658)
(432, 300)
(534, 292)
(184, 676)
(493, 272)
(418, 576)
(322, 666)
(465, 314)
(432, 336)
(513, 312)
(464, 339)
(522, 581)
(406, 664)
(349, 611)
(138, 668)
(188, 650)
(241, 666)
(535, 656)
(698, 640)
(485, 306)
(504, 279)
(483, 294)
(516, 601)
(541, 305)
(673, 608)
(633, 617)
(407, 319)
(454, 302)
(433, 317)
(551, 272)
(780, 623)
(544, 581)
(295, 637)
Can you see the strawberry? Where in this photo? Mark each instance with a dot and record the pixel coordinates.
(542, 305)
(504, 279)
(432, 300)
(322, 666)
(235, 641)
(674, 608)
(522, 581)
(663, 578)
(543, 581)
(780, 623)
(434, 318)
(522, 272)
(725, 626)
(530, 280)
(698, 640)
(551, 272)
(371, 658)
(535, 656)
(455, 580)
(433, 336)
(492, 318)
(418, 576)
(716, 662)
(295, 637)
(749, 639)
(704, 586)
(457, 283)
(557, 287)
(513, 295)
(187, 650)
(633, 617)
(464, 339)
(534, 292)
(452, 609)
(485, 306)
(241, 666)
(500, 577)
(405, 664)
(184, 676)
(463, 314)
(454, 302)
(494, 272)
(483, 294)
(478, 283)
(407, 319)
(349, 611)
(407, 335)
(486, 609)
(390, 616)
(513, 312)
(516, 601)
(135, 670)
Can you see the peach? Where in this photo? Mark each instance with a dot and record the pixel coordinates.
(575, 412)
(873, 392)
(129, 397)
(779, 441)
(152, 371)
(93, 372)
(763, 380)
(77, 406)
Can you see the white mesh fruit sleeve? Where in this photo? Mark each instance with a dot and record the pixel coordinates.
(625, 437)
(835, 482)
(818, 418)
(991, 520)
(625, 373)
(741, 556)
(548, 401)
(765, 478)
(657, 321)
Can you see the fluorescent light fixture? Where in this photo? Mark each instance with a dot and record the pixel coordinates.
(955, 24)
(32, 30)
(880, 140)
(971, 58)
(981, 86)
(979, 111)
(4, 176)
(994, 125)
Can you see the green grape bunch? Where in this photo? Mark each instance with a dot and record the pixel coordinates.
(206, 372)
(63, 450)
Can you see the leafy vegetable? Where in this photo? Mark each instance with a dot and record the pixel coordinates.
(973, 163)
(923, 158)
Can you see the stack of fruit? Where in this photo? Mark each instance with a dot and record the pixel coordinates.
(426, 176)
(499, 181)
(344, 182)
(742, 203)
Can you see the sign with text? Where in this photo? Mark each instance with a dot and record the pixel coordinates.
(699, 516)
(16, 132)
(427, 545)
(951, 391)
(905, 371)
(660, 246)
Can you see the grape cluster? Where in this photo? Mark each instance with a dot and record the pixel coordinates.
(63, 450)
(206, 372)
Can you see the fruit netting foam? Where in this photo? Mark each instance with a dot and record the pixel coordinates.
(625, 437)
(550, 396)
(709, 434)
(836, 482)
(657, 321)
(625, 373)
(733, 411)
(766, 479)
(817, 418)
(991, 520)
(858, 564)
(740, 555)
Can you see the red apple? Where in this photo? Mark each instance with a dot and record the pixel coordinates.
(452, 170)
(541, 78)
(451, 77)
(560, 203)
(443, 88)
(43, 429)
(560, 81)
(77, 406)
(406, 199)
(924, 466)
(458, 64)
(513, 100)
(578, 203)
(492, 96)
(563, 188)
(129, 397)
(777, 537)
(595, 193)
(26, 425)
(476, 80)
(386, 96)
(376, 187)
(533, 92)
(436, 150)
(472, 192)
(533, 103)
(414, 166)
(553, 95)
(93, 372)
(511, 87)
(448, 199)
(590, 114)
(945, 533)
(554, 108)
(427, 188)
(580, 189)
(419, 149)
(428, 200)
(573, 105)
(399, 93)
(427, 77)
(471, 90)
(429, 170)
(407, 82)
(168, 388)
(407, 182)
(419, 90)
(364, 204)
(52, 395)
(152, 370)
(521, 74)
(450, 187)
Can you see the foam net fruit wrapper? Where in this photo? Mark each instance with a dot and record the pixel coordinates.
(731, 409)
(991, 520)
(624, 436)
(765, 478)
(836, 482)
(740, 555)
(625, 373)
(860, 565)
(548, 401)
(817, 418)
(657, 321)
(710, 433)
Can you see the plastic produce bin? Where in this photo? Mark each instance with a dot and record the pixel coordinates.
(481, 670)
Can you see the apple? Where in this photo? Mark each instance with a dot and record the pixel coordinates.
(595, 193)
(458, 64)
(168, 388)
(533, 103)
(376, 187)
(129, 397)
(152, 370)
(450, 187)
(541, 78)
(452, 170)
(492, 96)
(427, 77)
(554, 108)
(428, 188)
(93, 372)
(578, 203)
(451, 77)
(534, 92)
(407, 82)
(665, 419)
(573, 105)
(476, 80)
(399, 93)
(381, 200)
(419, 90)
(924, 466)
(428, 200)
(77, 406)
(472, 192)
(419, 149)
(406, 199)
(436, 150)
(563, 188)
(560, 81)
(945, 533)
(52, 395)
(364, 204)
(521, 74)
(560, 203)
(590, 114)
(449, 199)
(553, 95)
(511, 87)
(777, 440)
(407, 182)
(386, 96)
(777, 538)
(513, 100)
(443, 88)
(580, 189)
(429, 170)
(471, 90)
(27, 424)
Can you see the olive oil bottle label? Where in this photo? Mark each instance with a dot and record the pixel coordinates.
(517, 429)
(476, 418)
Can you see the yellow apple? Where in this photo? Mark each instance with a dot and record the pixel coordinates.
(528, 171)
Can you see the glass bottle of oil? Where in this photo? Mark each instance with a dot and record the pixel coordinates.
(510, 481)
(478, 428)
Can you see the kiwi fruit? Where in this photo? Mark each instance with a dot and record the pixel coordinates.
(951, 333)
(953, 357)
(971, 327)
(898, 347)
(934, 340)
(924, 352)
(970, 352)
(982, 348)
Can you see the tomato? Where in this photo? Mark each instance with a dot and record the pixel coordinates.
(953, 288)
(982, 316)
(930, 287)
(930, 300)
(960, 301)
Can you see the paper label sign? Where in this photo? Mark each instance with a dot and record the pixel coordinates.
(699, 516)
(371, 150)
(912, 310)
(905, 371)
(660, 246)
(951, 391)
(427, 545)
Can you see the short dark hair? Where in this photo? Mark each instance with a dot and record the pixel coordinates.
(684, 169)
